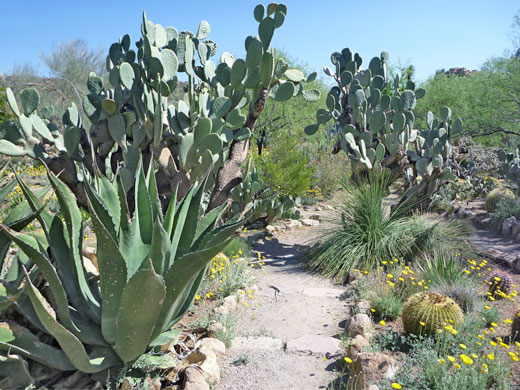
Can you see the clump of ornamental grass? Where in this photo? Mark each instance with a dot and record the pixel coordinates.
(367, 229)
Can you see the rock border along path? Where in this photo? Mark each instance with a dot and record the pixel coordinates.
(292, 339)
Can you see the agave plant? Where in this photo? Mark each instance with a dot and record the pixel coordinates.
(150, 267)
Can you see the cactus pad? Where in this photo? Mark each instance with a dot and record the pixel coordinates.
(424, 313)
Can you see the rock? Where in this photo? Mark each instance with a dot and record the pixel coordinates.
(230, 303)
(293, 223)
(369, 368)
(260, 343)
(216, 327)
(260, 242)
(253, 288)
(485, 221)
(507, 225)
(317, 208)
(310, 222)
(466, 214)
(373, 387)
(89, 267)
(329, 207)
(306, 208)
(194, 379)
(313, 344)
(270, 228)
(516, 263)
(515, 229)
(359, 324)
(215, 345)
(357, 345)
(210, 365)
(363, 307)
(316, 217)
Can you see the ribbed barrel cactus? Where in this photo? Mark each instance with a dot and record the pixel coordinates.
(424, 313)
(377, 126)
(500, 284)
(495, 196)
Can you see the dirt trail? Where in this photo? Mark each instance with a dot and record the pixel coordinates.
(298, 323)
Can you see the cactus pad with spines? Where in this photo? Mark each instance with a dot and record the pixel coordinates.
(423, 313)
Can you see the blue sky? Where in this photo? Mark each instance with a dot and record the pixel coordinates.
(430, 34)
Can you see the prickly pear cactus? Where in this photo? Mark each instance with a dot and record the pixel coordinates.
(510, 166)
(500, 284)
(423, 313)
(378, 129)
(134, 114)
(495, 196)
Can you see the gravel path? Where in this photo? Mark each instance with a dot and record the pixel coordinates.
(292, 339)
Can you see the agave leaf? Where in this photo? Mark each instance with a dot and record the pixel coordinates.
(15, 370)
(68, 342)
(169, 337)
(143, 207)
(7, 189)
(110, 198)
(35, 203)
(27, 344)
(154, 195)
(98, 206)
(160, 249)
(178, 279)
(72, 216)
(189, 295)
(32, 248)
(8, 294)
(141, 303)
(112, 275)
(207, 223)
(169, 217)
(192, 218)
(178, 224)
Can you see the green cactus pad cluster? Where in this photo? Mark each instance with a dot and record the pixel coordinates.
(510, 166)
(500, 284)
(423, 313)
(496, 196)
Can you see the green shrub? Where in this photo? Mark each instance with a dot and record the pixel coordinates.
(284, 166)
(495, 196)
(505, 208)
(386, 306)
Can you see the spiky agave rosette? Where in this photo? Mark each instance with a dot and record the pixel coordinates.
(423, 313)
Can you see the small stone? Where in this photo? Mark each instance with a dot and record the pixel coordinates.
(314, 345)
(316, 217)
(230, 303)
(359, 324)
(317, 208)
(357, 345)
(217, 327)
(515, 229)
(485, 221)
(363, 307)
(194, 379)
(293, 223)
(260, 242)
(215, 345)
(329, 207)
(270, 228)
(306, 208)
(370, 367)
(310, 222)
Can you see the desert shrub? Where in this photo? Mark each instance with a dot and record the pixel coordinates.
(461, 291)
(284, 166)
(505, 208)
(330, 171)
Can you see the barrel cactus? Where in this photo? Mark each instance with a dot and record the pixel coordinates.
(423, 313)
(496, 196)
(500, 284)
